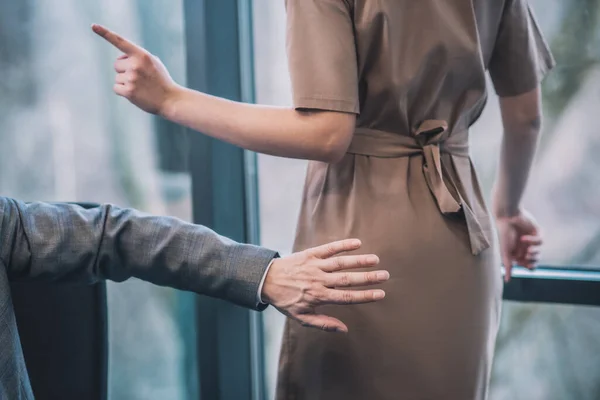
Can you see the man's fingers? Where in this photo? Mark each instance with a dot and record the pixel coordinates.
(349, 279)
(334, 296)
(116, 40)
(322, 322)
(331, 249)
(349, 262)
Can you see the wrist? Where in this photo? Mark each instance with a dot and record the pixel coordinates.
(264, 293)
(505, 211)
(168, 108)
(262, 297)
(502, 207)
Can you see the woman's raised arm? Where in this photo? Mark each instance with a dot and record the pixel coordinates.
(286, 132)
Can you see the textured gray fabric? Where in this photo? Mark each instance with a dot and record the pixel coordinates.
(67, 243)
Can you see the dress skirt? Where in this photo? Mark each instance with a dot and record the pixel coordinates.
(432, 337)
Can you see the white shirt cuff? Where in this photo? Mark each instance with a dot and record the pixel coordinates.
(262, 282)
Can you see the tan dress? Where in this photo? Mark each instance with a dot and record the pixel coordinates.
(414, 71)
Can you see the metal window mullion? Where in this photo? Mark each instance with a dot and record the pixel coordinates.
(245, 22)
(224, 194)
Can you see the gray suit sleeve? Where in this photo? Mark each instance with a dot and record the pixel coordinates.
(67, 243)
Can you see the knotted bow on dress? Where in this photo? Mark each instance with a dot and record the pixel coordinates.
(430, 140)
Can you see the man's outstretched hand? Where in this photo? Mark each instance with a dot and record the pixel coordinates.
(297, 284)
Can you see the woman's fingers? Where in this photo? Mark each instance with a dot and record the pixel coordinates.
(531, 265)
(529, 257)
(531, 240)
(122, 90)
(507, 261)
(122, 64)
(121, 79)
(529, 260)
(533, 252)
(116, 40)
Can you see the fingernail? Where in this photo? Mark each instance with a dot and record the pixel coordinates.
(356, 242)
(383, 275)
(379, 294)
(372, 259)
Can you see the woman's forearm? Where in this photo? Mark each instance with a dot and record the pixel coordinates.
(284, 132)
(522, 124)
(516, 158)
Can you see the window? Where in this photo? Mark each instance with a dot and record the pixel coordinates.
(67, 137)
(547, 352)
(544, 351)
(564, 181)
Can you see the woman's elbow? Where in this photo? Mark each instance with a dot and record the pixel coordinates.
(333, 153)
(338, 139)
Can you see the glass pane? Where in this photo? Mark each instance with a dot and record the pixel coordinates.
(562, 192)
(547, 352)
(564, 183)
(67, 137)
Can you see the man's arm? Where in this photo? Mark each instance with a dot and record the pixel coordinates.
(67, 243)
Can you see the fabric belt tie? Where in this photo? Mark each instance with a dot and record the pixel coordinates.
(431, 139)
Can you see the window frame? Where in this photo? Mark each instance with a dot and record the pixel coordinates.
(551, 284)
(224, 195)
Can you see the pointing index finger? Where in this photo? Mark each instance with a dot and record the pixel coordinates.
(116, 40)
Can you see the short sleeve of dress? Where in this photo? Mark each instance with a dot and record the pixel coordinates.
(322, 55)
(521, 57)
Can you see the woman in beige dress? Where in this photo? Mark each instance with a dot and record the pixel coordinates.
(384, 94)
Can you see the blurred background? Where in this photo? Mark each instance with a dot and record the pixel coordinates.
(64, 136)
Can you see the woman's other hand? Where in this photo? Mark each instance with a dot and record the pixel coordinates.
(141, 77)
(520, 241)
